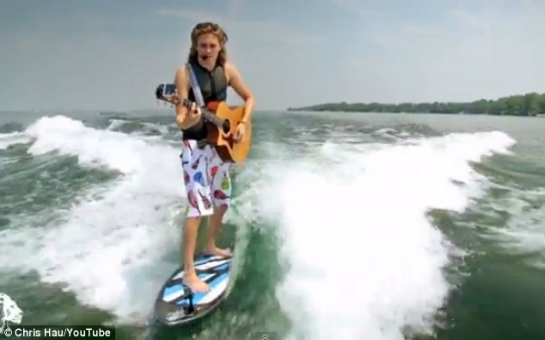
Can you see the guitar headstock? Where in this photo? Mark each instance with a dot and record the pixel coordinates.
(167, 92)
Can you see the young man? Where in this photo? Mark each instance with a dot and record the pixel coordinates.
(206, 177)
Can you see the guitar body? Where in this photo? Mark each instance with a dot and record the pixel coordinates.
(223, 141)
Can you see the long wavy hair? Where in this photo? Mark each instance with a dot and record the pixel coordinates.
(207, 28)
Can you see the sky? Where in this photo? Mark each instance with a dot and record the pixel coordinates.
(110, 55)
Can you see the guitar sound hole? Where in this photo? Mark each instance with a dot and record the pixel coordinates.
(226, 126)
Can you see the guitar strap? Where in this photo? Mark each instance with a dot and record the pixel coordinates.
(198, 96)
(195, 86)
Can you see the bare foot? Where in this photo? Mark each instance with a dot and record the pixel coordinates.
(195, 284)
(218, 251)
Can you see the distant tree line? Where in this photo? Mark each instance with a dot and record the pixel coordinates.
(530, 104)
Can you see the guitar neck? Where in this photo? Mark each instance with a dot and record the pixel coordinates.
(212, 118)
(209, 116)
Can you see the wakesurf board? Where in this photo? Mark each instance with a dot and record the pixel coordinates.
(176, 304)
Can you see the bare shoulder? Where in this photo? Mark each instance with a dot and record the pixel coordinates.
(229, 67)
(231, 70)
(181, 72)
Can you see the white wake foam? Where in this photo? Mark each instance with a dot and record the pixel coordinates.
(102, 247)
(364, 261)
(524, 232)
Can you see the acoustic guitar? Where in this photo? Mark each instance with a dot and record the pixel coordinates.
(221, 125)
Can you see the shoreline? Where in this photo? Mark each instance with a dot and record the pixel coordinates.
(527, 105)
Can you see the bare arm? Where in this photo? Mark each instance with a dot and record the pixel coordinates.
(237, 83)
(184, 118)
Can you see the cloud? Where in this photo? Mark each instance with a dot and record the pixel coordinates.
(188, 14)
(257, 31)
(468, 54)
(351, 50)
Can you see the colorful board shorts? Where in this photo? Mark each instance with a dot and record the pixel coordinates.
(206, 177)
